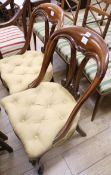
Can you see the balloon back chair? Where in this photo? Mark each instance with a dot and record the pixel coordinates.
(46, 114)
(17, 72)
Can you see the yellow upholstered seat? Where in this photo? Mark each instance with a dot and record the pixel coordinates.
(19, 71)
(38, 114)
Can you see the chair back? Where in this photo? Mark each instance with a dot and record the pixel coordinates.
(100, 10)
(92, 46)
(51, 14)
(71, 9)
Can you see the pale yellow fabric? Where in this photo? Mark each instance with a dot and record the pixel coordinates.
(19, 71)
(38, 114)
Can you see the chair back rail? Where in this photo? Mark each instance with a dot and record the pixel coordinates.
(95, 48)
(51, 13)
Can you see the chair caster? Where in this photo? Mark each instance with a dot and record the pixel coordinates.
(41, 170)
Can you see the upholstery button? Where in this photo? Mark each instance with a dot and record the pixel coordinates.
(35, 136)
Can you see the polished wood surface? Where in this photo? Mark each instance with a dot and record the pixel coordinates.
(45, 10)
(94, 48)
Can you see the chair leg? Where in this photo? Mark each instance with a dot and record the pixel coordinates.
(96, 106)
(5, 146)
(35, 44)
(80, 131)
(3, 136)
(33, 162)
(40, 168)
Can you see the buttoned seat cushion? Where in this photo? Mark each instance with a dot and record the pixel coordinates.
(11, 40)
(20, 70)
(38, 114)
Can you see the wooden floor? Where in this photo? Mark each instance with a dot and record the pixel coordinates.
(79, 156)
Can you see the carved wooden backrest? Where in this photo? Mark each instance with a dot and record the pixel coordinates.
(99, 9)
(50, 13)
(72, 6)
(92, 46)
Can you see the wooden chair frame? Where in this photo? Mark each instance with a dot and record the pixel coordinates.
(90, 50)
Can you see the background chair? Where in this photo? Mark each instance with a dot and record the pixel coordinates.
(6, 10)
(17, 72)
(102, 26)
(100, 18)
(3, 144)
(48, 110)
(12, 39)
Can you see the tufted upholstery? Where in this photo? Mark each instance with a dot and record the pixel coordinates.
(11, 40)
(38, 114)
(20, 70)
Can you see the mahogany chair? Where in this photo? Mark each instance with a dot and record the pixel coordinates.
(47, 109)
(12, 39)
(18, 71)
(70, 18)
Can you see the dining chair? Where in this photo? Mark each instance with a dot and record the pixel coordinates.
(46, 115)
